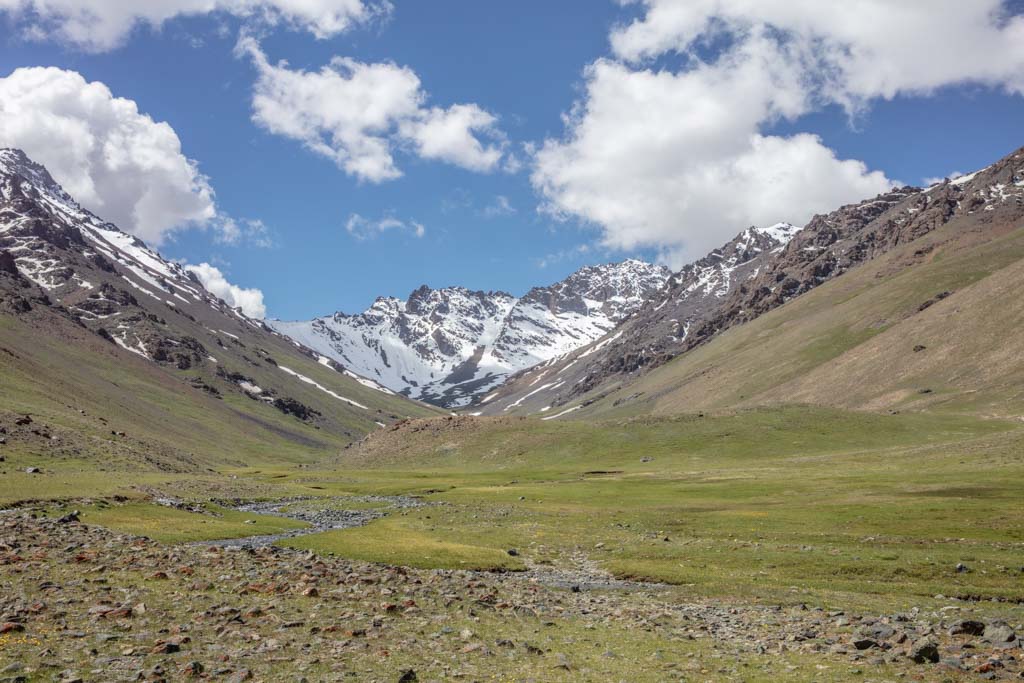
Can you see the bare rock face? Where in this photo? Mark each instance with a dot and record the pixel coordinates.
(449, 346)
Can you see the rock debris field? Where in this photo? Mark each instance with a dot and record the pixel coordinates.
(81, 603)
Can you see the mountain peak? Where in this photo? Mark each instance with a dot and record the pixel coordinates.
(450, 345)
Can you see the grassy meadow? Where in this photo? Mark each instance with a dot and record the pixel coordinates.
(781, 506)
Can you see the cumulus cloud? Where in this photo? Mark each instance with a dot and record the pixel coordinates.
(681, 157)
(98, 25)
(360, 114)
(858, 49)
(115, 160)
(249, 301)
(363, 228)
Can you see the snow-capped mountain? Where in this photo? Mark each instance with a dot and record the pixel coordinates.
(67, 274)
(448, 346)
(756, 272)
(657, 327)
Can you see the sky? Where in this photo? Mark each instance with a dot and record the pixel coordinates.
(307, 156)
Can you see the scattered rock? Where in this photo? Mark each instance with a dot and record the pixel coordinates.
(69, 518)
(166, 647)
(967, 627)
(1000, 635)
(924, 651)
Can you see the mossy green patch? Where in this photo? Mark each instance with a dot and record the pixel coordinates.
(392, 541)
(171, 525)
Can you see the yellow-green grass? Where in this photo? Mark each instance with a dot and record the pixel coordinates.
(392, 541)
(171, 525)
(866, 340)
(595, 648)
(790, 505)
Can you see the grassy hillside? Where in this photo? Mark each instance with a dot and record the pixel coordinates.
(935, 324)
(106, 422)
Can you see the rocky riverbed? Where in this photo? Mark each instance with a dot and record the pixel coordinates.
(322, 514)
(81, 603)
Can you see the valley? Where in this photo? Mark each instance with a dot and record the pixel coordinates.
(800, 458)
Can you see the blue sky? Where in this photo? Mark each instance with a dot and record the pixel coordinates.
(523, 62)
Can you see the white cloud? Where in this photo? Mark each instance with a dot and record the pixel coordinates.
(450, 135)
(360, 114)
(98, 25)
(116, 161)
(363, 228)
(857, 49)
(250, 301)
(501, 206)
(244, 231)
(681, 158)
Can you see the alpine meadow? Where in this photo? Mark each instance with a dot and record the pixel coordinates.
(648, 340)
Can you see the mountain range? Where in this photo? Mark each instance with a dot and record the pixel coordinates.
(901, 237)
(449, 346)
(103, 336)
(557, 349)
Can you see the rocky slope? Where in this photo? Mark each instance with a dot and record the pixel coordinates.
(654, 332)
(829, 246)
(447, 346)
(89, 314)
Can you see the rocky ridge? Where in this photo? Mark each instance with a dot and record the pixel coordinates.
(449, 346)
(828, 246)
(62, 265)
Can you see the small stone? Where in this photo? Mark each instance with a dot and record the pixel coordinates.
(865, 644)
(924, 651)
(1001, 635)
(193, 670)
(166, 647)
(967, 627)
(69, 518)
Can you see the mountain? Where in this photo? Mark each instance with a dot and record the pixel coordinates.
(902, 301)
(656, 331)
(99, 332)
(449, 346)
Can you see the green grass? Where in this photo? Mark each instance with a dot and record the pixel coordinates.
(170, 525)
(850, 342)
(788, 505)
(391, 541)
(791, 505)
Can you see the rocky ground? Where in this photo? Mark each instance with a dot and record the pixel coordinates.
(81, 603)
